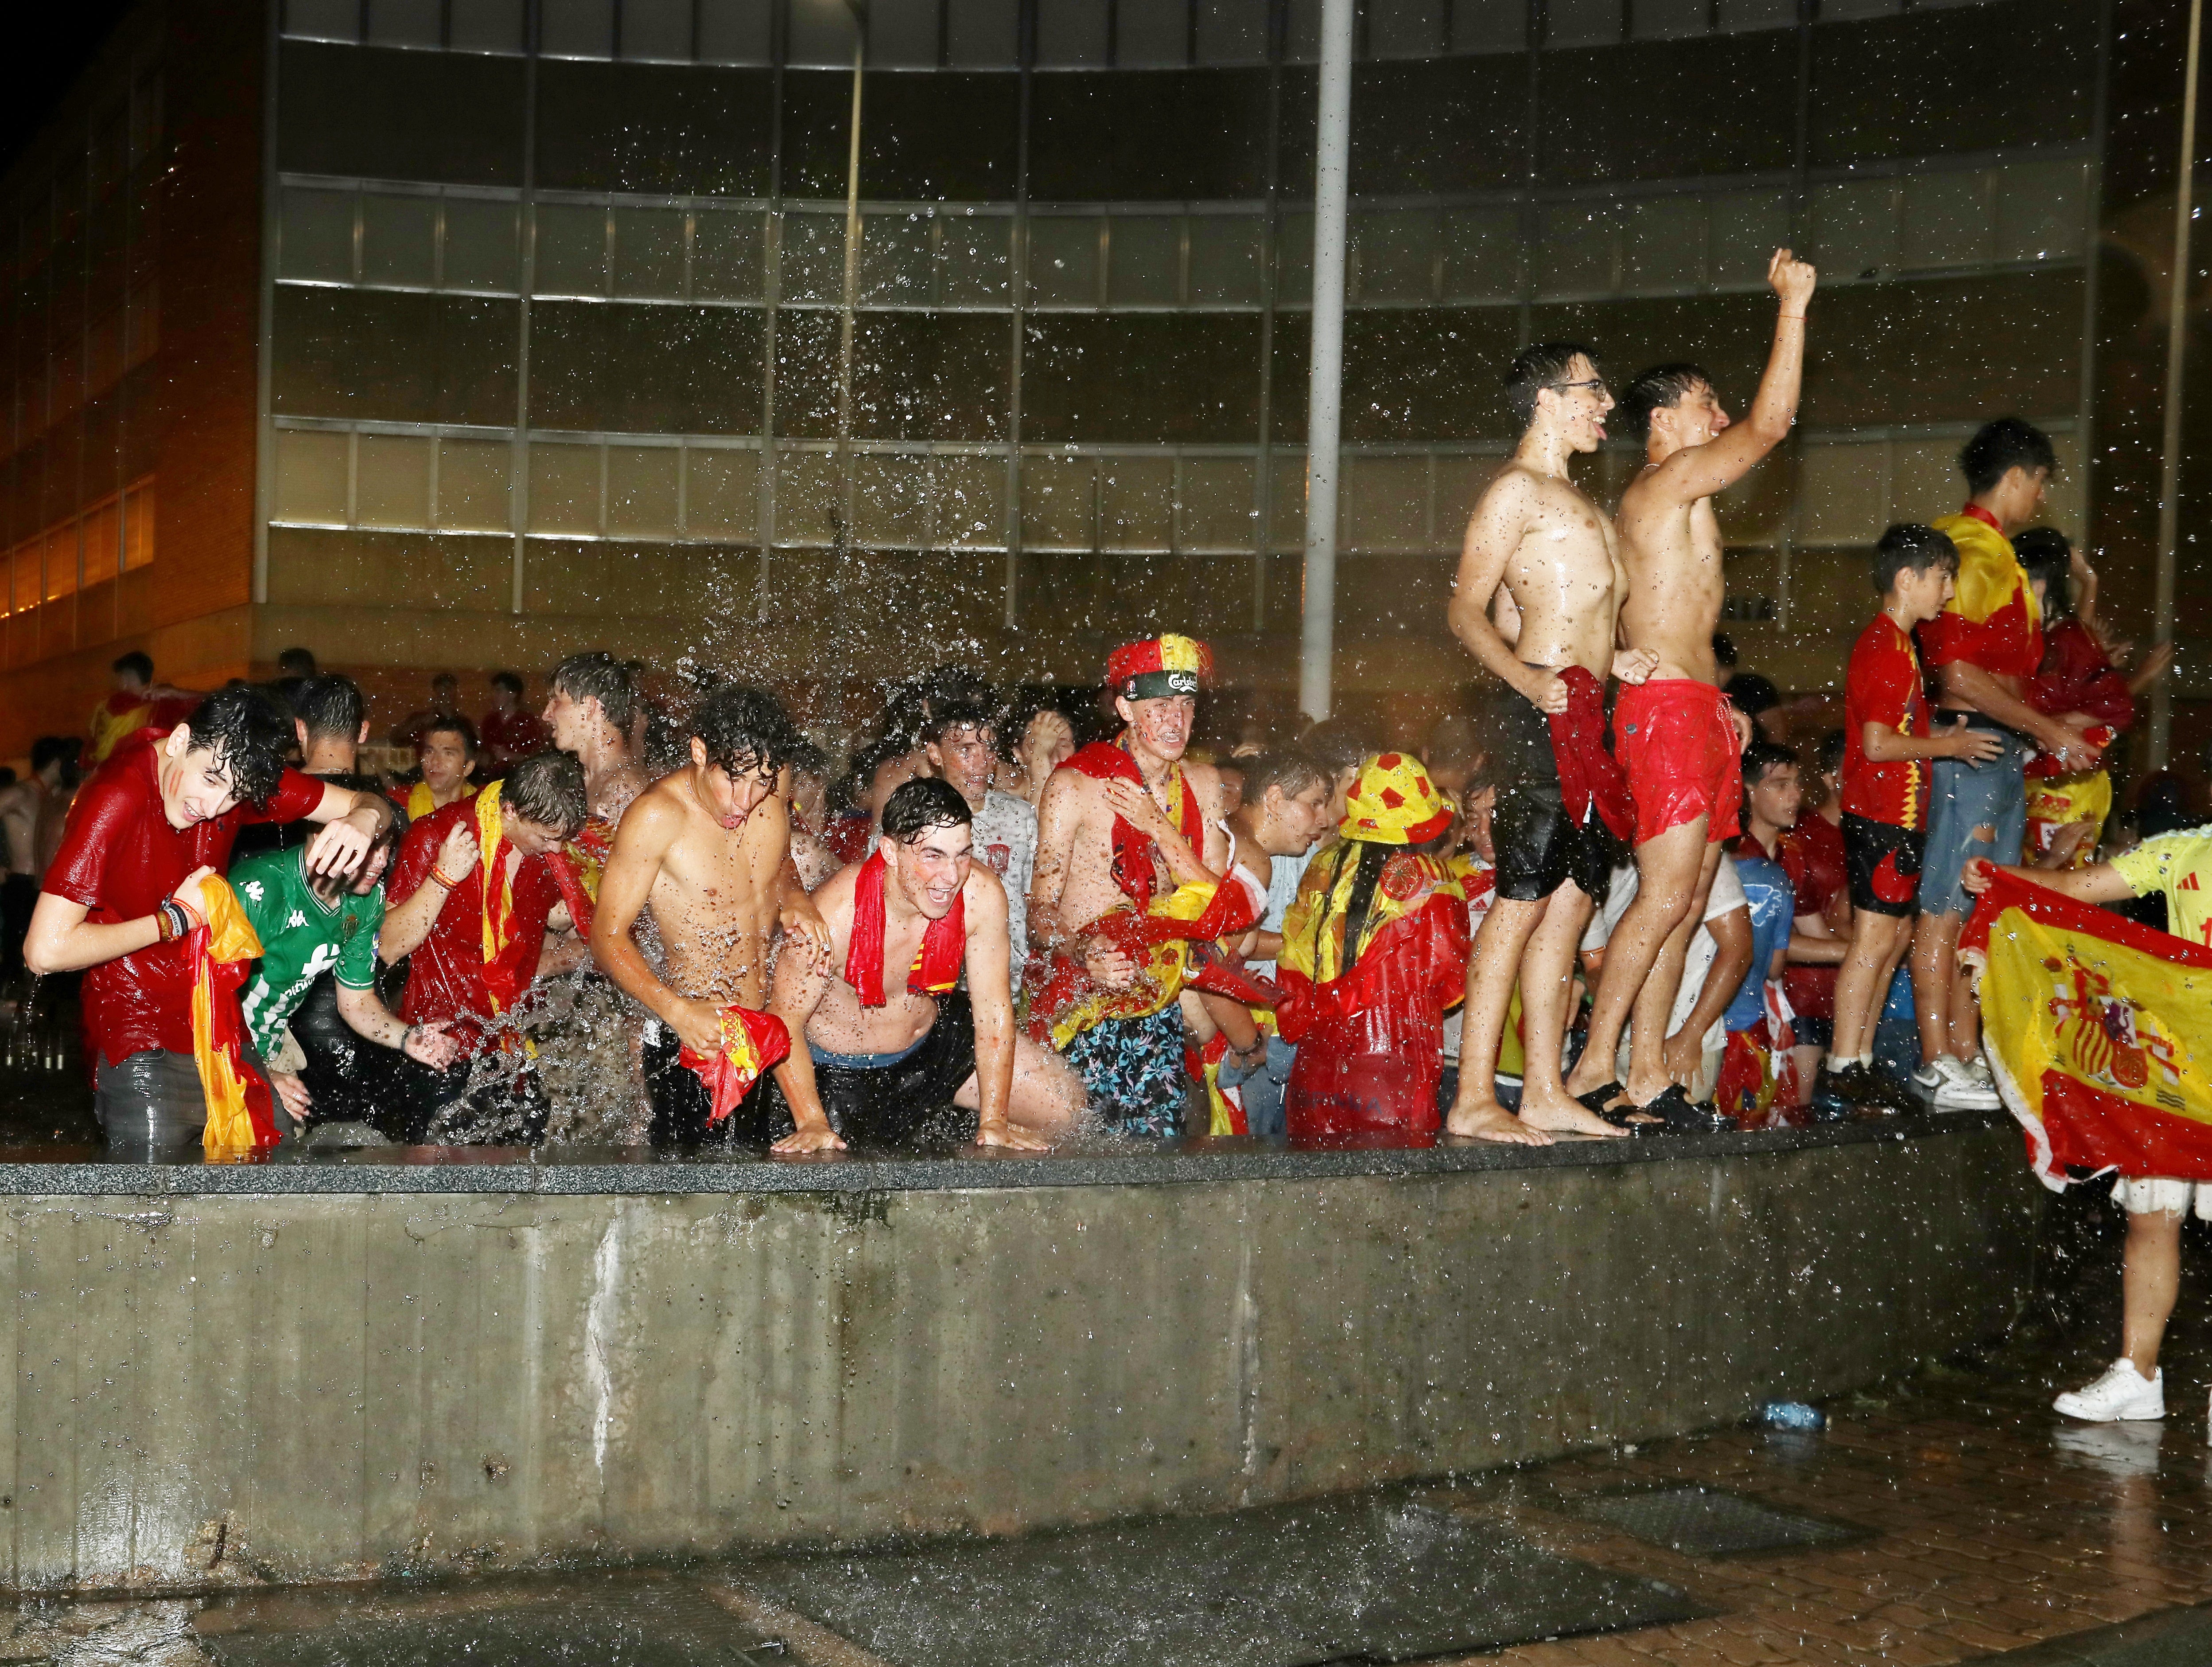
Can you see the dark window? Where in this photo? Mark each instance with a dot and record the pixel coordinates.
(641, 369)
(1663, 108)
(945, 137)
(1432, 374)
(1383, 599)
(1453, 125)
(390, 115)
(663, 128)
(1728, 335)
(1946, 350)
(915, 375)
(1156, 379)
(1146, 135)
(384, 357)
(1981, 78)
(317, 567)
(1119, 595)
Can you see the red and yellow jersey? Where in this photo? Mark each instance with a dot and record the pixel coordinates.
(1992, 620)
(2179, 864)
(1883, 685)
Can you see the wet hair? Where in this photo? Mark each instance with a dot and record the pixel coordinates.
(510, 681)
(1289, 768)
(960, 714)
(138, 665)
(744, 731)
(1752, 694)
(1659, 388)
(1543, 365)
(1762, 756)
(2044, 552)
(1833, 745)
(599, 676)
(297, 663)
(851, 793)
(548, 789)
(806, 758)
(452, 723)
(328, 706)
(2002, 446)
(1909, 547)
(249, 735)
(916, 806)
(1724, 650)
(53, 750)
(1338, 744)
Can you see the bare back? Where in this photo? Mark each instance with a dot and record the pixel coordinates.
(714, 902)
(1676, 579)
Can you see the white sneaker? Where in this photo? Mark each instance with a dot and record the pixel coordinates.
(1979, 1065)
(1929, 1077)
(2122, 1393)
(1960, 1089)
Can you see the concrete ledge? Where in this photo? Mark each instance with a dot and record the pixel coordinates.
(222, 1377)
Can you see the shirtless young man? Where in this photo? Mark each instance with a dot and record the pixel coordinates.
(882, 1038)
(707, 852)
(1121, 822)
(1677, 734)
(1535, 533)
(592, 711)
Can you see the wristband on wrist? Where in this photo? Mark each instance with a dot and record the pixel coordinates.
(406, 1036)
(441, 878)
(165, 924)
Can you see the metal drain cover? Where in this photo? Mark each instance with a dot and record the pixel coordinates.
(1708, 1522)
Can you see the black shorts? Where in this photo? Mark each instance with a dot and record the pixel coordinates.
(910, 1098)
(1539, 848)
(681, 1106)
(1883, 861)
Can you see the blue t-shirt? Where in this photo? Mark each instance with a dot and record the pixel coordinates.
(1773, 906)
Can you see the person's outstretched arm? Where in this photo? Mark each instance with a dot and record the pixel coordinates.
(1700, 471)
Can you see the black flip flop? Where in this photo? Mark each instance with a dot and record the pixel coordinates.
(1602, 1097)
(1677, 1115)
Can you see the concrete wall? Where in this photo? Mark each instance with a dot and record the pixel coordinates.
(209, 1390)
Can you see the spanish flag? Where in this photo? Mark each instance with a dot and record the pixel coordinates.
(1992, 619)
(751, 1043)
(2095, 1027)
(241, 1120)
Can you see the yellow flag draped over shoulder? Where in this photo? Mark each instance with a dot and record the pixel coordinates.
(2099, 1031)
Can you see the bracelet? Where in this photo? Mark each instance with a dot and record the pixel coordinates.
(406, 1036)
(165, 923)
(175, 923)
(1800, 317)
(439, 877)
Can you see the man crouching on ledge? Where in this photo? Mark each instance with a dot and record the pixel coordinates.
(889, 1039)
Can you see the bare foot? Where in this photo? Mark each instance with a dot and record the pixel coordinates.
(1564, 1115)
(1494, 1122)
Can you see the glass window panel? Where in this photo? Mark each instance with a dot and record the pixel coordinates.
(1294, 240)
(564, 488)
(1756, 509)
(1302, 38)
(894, 258)
(972, 260)
(733, 31)
(1232, 31)
(103, 542)
(1218, 506)
(404, 23)
(317, 234)
(138, 527)
(726, 248)
(1486, 26)
(820, 37)
(1847, 11)
(641, 491)
(1387, 507)
(1946, 219)
(1924, 480)
(323, 20)
(657, 30)
(1663, 244)
(981, 34)
(650, 253)
(1136, 502)
(1482, 253)
(1743, 229)
(480, 244)
(902, 33)
(1460, 481)
(2039, 211)
(2061, 501)
(472, 485)
(1406, 29)
(813, 257)
(807, 490)
(572, 249)
(1758, 14)
(1855, 227)
(1063, 260)
(485, 26)
(1396, 254)
(971, 501)
(1842, 493)
(392, 481)
(61, 561)
(398, 240)
(1059, 503)
(1671, 20)
(1286, 499)
(1582, 23)
(577, 28)
(1225, 251)
(1144, 257)
(891, 499)
(310, 478)
(1574, 253)
(721, 494)
(1071, 33)
(26, 559)
(1152, 33)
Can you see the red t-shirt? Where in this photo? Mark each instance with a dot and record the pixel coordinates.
(511, 736)
(1883, 685)
(119, 857)
(445, 974)
(1813, 854)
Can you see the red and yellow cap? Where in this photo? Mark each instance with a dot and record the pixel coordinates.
(1158, 668)
(1395, 803)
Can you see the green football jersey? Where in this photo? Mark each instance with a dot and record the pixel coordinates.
(301, 937)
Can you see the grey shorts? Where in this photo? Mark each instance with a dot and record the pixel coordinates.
(1962, 799)
(151, 1108)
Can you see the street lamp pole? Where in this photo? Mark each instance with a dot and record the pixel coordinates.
(851, 293)
(2177, 332)
(1325, 386)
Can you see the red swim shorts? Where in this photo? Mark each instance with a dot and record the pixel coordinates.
(1677, 741)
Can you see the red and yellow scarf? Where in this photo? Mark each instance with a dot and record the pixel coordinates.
(937, 964)
(505, 975)
(1105, 761)
(421, 801)
(241, 1116)
(752, 1042)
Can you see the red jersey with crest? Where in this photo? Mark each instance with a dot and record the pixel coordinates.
(1883, 685)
